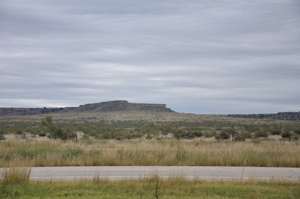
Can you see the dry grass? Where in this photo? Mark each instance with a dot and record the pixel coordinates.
(15, 175)
(142, 152)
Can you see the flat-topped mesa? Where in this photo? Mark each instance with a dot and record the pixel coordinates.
(109, 106)
(122, 105)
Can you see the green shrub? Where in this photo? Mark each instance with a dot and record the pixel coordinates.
(275, 132)
(223, 135)
(68, 135)
(297, 131)
(54, 131)
(209, 134)
(240, 137)
(149, 137)
(289, 135)
(187, 134)
(42, 134)
(261, 134)
(57, 134)
(2, 137)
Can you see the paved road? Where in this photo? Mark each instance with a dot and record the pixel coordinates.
(192, 173)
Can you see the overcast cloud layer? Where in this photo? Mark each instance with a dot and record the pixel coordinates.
(202, 56)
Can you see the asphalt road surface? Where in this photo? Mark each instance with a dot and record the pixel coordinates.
(187, 172)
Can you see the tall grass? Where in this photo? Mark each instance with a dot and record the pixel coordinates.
(14, 176)
(153, 152)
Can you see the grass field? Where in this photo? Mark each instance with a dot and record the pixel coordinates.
(149, 152)
(148, 189)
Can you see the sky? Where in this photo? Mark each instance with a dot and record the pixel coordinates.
(199, 56)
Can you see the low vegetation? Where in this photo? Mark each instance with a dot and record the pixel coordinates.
(149, 152)
(190, 141)
(154, 139)
(200, 127)
(148, 189)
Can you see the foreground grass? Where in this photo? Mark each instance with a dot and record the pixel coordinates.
(151, 188)
(154, 152)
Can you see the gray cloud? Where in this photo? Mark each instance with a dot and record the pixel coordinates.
(197, 56)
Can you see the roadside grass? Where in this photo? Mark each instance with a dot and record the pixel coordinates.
(13, 180)
(166, 152)
(153, 188)
(14, 175)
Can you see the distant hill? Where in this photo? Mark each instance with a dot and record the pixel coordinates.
(124, 110)
(110, 106)
(275, 116)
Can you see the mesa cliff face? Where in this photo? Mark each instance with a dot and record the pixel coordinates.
(109, 106)
(28, 111)
(123, 106)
